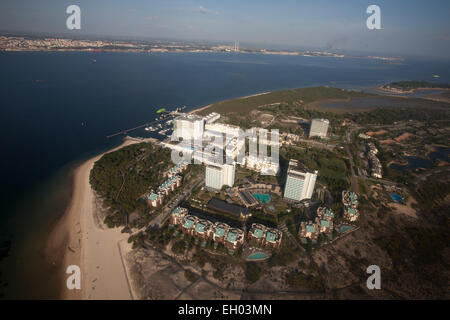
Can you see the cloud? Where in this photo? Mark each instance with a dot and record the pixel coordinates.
(200, 9)
(203, 10)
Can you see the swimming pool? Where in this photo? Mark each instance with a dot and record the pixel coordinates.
(257, 256)
(396, 197)
(346, 228)
(262, 197)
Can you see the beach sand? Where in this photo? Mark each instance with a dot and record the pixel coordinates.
(79, 240)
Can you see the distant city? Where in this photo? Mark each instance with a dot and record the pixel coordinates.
(24, 43)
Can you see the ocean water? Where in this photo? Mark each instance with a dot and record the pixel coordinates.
(57, 108)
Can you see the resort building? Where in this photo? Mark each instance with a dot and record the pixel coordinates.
(178, 215)
(265, 236)
(325, 226)
(203, 228)
(179, 168)
(319, 128)
(226, 129)
(212, 117)
(309, 230)
(350, 202)
(272, 238)
(188, 224)
(188, 126)
(234, 239)
(325, 213)
(229, 209)
(219, 231)
(349, 199)
(155, 199)
(299, 182)
(170, 185)
(217, 176)
(375, 164)
(351, 214)
(247, 198)
(325, 218)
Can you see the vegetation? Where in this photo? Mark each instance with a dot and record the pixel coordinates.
(121, 177)
(253, 272)
(190, 276)
(388, 116)
(288, 97)
(297, 279)
(410, 85)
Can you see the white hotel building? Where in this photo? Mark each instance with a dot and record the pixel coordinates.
(299, 182)
(217, 175)
(319, 128)
(188, 126)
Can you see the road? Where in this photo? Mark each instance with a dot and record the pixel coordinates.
(161, 218)
(354, 178)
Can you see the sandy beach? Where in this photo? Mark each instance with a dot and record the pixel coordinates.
(79, 239)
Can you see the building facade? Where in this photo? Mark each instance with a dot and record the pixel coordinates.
(188, 126)
(299, 182)
(319, 128)
(217, 176)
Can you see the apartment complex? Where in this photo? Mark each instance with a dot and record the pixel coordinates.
(375, 164)
(299, 182)
(350, 202)
(173, 181)
(219, 232)
(323, 223)
(265, 236)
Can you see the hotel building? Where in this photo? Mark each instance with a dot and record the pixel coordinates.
(188, 126)
(217, 176)
(319, 128)
(299, 182)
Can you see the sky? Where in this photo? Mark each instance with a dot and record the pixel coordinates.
(412, 27)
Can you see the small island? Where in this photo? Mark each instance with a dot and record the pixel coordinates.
(412, 86)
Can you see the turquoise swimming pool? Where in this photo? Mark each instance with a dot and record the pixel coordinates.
(257, 256)
(346, 228)
(397, 198)
(262, 197)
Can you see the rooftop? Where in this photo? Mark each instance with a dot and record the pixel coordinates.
(188, 223)
(258, 233)
(226, 207)
(231, 237)
(219, 232)
(200, 227)
(270, 236)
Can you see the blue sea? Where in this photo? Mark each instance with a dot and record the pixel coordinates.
(57, 108)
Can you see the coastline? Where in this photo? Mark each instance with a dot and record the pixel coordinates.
(78, 239)
(193, 111)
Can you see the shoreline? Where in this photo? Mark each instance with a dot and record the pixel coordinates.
(77, 239)
(193, 111)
